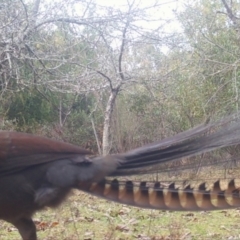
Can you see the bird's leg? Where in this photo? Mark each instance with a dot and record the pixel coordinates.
(26, 228)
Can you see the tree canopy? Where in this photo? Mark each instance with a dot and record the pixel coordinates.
(111, 78)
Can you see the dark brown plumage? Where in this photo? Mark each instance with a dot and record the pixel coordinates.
(36, 172)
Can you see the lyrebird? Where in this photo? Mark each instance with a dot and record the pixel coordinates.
(36, 172)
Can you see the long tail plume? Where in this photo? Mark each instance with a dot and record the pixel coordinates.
(193, 142)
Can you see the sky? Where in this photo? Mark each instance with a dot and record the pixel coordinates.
(166, 11)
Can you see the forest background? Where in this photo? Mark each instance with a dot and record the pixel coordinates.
(111, 78)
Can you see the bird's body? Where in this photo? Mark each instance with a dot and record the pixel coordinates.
(36, 172)
(25, 183)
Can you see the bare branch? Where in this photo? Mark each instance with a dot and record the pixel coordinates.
(230, 13)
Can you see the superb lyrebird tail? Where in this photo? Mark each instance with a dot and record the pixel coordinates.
(221, 194)
(202, 139)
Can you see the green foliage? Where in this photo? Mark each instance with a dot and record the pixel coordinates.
(78, 126)
(28, 108)
(214, 49)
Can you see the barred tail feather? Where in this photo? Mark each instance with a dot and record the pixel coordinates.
(171, 197)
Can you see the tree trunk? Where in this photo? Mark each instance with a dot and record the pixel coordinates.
(107, 122)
